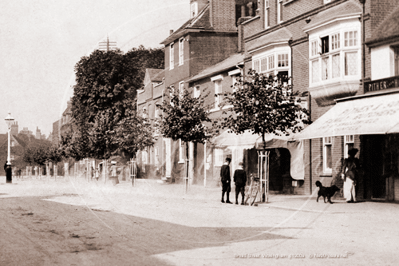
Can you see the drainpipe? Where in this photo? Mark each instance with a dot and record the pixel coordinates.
(363, 2)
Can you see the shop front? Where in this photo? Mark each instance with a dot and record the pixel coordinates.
(374, 117)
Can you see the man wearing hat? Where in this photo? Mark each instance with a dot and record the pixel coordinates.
(226, 180)
(349, 173)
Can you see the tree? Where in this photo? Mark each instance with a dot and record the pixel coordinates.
(184, 118)
(104, 97)
(264, 105)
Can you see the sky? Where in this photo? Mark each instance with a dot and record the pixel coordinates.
(42, 40)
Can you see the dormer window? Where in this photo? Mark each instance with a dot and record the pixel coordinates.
(193, 9)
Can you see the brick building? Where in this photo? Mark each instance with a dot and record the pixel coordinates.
(207, 38)
(349, 106)
(153, 161)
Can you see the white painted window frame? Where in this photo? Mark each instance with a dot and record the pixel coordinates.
(172, 55)
(327, 141)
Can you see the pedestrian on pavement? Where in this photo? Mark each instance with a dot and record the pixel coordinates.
(349, 173)
(114, 173)
(8, 173)
(226, 180)
(240, 179)
(5, 165)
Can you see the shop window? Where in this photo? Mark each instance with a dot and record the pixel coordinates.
(327, 155)
(349, 142)
(172, 56)
(218, 157)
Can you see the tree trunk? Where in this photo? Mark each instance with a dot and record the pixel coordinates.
(187, 165)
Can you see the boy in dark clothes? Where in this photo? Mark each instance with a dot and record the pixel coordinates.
(226, 180)
(240, 178)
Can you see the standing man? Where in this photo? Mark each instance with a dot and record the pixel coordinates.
(240, 179)
(226, 180)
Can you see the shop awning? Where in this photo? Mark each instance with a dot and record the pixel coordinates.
(365, 115)
(245, 140)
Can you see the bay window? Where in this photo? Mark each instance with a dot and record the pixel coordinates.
(334, 61)
(274, 62)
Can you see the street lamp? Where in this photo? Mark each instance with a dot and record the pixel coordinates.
(9, 120)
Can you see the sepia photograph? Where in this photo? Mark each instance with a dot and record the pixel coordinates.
(199, 132)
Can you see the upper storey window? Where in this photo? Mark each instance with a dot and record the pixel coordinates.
(334, 55)
(267, 13)
(172, 56)
(279, 11)
(181, 51)
(275, 62)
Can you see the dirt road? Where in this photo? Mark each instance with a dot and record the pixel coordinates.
(72, 222)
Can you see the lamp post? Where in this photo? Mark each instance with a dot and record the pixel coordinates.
(9, 120)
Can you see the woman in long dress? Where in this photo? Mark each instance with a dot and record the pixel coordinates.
(349, 172)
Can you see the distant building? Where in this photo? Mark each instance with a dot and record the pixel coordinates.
(14, 128)
(55, 135)
(38, 134)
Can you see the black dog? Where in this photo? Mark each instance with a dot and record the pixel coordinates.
(326, 192)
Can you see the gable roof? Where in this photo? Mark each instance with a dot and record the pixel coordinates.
(387, 30)
(4, 140)
(278, 36)
(200, 22)
(343, 10)
(155, 75)
(222, 66)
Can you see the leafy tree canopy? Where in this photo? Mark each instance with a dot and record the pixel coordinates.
(264, 105)
(104, 97)
(184, 117)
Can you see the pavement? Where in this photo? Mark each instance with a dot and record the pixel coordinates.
(288, 230)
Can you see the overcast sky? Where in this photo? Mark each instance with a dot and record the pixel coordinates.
(42, 40)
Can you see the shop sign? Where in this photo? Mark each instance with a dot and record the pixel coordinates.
(381, 84)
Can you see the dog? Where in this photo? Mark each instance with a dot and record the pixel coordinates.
(326, 192)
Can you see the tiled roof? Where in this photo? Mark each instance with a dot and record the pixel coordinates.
(340, 11)
(156, 74)
(224, 65)
(388, 29)
(201, 21)
(280, 35)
